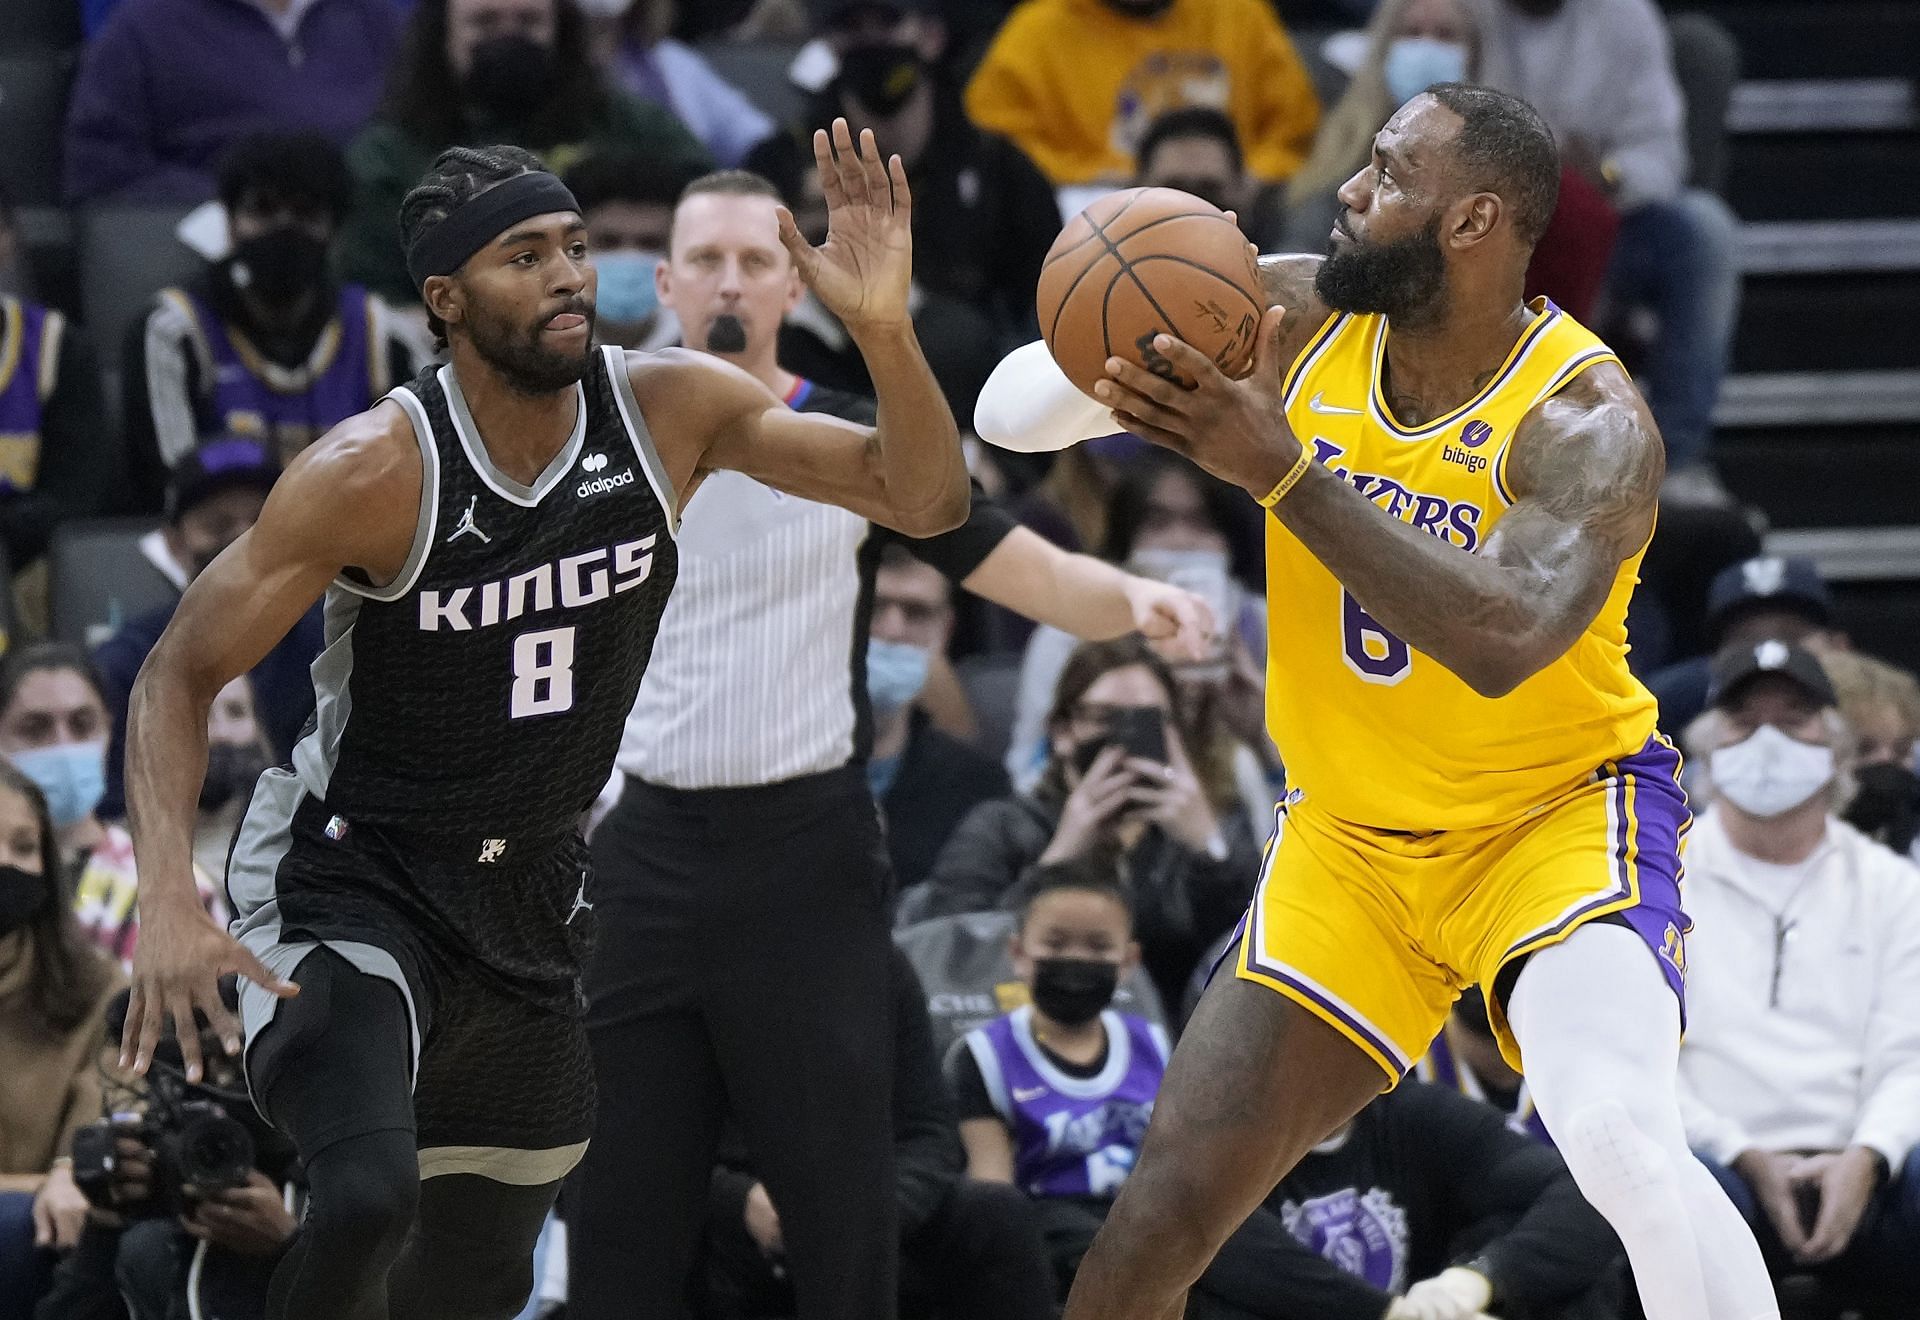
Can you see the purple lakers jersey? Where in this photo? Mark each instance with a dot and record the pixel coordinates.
(29, 358)
(242, 392)
(1072, 1136)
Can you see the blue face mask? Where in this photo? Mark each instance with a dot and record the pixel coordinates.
(627, 295)
(1417, 63)
(73, 776)
(895, 674)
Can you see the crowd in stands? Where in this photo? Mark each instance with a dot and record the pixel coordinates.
(1074, 829)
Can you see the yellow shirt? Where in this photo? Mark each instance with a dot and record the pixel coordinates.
(1376, 733)
(1075, 84)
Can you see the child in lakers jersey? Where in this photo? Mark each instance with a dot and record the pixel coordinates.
(1462, 484)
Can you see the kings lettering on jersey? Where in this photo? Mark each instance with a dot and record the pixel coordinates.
(1373, 731)
(571, 582)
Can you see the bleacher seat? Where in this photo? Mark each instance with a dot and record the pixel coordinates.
(127, 254)
(99, 578)
(759, 70)
(38, 25)
(33, 108)
(964, 964)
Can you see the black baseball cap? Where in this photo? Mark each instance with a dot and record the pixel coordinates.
(1767, 582)
(229, 463)
(1736, 667)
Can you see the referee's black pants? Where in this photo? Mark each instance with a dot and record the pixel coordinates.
(741, 966)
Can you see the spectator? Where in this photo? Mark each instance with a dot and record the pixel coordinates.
(969, 1249)
(1075, 83)
(1196, 150)
(627, 201)
(1881, 705)
(169, 85)
(1055, 1096)
(1764, 597)
(263, 342)
(983, 214)
(1411, 45)
(1426, 1205)
(1802, 1059)
(53, 728)
(1170, 521)
(1069, 505)
(648, 62)
(237, 754)
(216, 494)
(56, 453)
(1189, 860)
(477, 71)
(924, 780)
(53, 991)
(1465, 1057)
(1601, 74)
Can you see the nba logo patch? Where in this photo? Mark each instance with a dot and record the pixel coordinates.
(337, 828)
(1475, 433)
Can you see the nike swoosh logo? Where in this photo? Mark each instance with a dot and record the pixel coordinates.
(1022, 1094)
(1316, 405)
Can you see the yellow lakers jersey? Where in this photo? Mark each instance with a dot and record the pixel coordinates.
(1371, 730)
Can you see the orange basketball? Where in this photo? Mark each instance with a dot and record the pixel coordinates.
(1146, 262)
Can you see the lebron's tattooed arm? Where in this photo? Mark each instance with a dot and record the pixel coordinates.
(1584, 468)
(352, 498)
(907, 471)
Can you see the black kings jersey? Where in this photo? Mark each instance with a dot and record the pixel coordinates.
(483, 690)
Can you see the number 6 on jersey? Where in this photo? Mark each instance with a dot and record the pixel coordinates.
(1371, 651)
(542, 673)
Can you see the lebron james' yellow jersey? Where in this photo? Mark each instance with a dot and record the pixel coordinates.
(1371, 731)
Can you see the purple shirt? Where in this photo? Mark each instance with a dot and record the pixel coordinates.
(29, 350)
(1072, 1136)
(246, 395)
(168, 85)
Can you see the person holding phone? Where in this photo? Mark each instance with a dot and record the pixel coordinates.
(1121, 793)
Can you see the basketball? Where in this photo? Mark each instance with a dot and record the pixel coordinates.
(1145, 262)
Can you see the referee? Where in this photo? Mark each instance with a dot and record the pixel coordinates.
(741, 886)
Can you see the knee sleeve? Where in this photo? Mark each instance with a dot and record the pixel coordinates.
(1615, 1162)
(365, 1192)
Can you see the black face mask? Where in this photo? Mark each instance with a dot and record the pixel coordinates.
(1887, 805)
(510, 77)
(232, 769)
(278, 266)
(881, 78)
(727, 334)
(21, 894)
(1073, 991)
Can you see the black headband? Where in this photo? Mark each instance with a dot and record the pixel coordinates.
(473, 224)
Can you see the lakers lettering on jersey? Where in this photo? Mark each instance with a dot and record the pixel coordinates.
(1373, 731)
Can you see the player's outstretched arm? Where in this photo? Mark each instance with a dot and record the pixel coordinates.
(351, 499)
(907, 472)
(1584, 468)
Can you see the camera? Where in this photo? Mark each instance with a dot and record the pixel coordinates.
(192, 1140)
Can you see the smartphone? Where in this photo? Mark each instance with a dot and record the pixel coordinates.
(1140, 731)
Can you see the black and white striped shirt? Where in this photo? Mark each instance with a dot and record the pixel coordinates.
(759, 671)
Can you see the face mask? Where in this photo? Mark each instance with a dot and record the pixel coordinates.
(1886, 805)
(1073, 991)
(232, 769)
(21, 894)
(73, 776)
(509, 77)
(1770, 773)
(627, 293)
(278, 265)
(881, 78)
(1417, 63)
(895, 674)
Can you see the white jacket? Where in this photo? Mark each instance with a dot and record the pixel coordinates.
(1822, 1051)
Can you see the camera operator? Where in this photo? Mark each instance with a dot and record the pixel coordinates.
(193, 1196)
